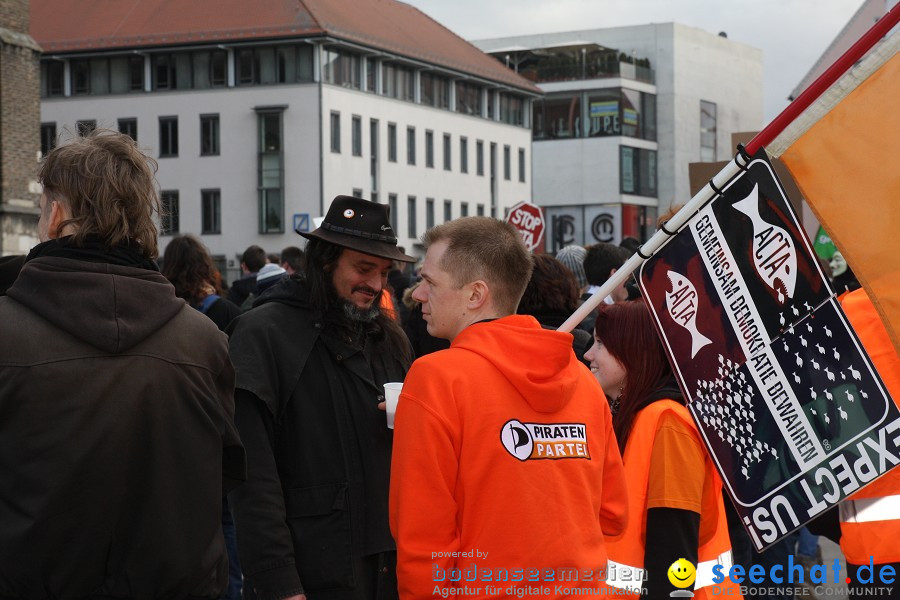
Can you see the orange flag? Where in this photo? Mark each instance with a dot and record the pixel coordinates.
(844, 154)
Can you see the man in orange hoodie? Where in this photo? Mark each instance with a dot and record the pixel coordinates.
(505, 472)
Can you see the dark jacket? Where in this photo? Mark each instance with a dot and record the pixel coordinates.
(242, 288)
(313, 513)
(116, 436)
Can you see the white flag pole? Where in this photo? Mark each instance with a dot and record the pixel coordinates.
(707, 193)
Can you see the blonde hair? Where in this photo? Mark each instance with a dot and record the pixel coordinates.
(109, 187)
(487, 249)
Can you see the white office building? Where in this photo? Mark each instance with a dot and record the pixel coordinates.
(626, 110)
(259, 113)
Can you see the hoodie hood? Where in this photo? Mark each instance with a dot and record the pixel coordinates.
(538, 362)
(110, 307)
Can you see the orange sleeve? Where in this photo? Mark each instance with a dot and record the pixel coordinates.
(677, 467)
(423, 508)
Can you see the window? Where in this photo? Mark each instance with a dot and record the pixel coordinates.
(429, 149)
(468, 98)
(210, 69)
(209, 135)
(357, 193)
(169, 215)
(560, 117)
(172, 71)
(429, 213)
(397, 81)
(479, 157)
(80, 72)
(707, 131)
(392, 142)
(85, 127)
(522, 165)
(52, 78)
(392, 206)
(335, 132)
(341, 68)
(463, 155)
(507, 168)
(512, 109)
(48, 138)
(210, 211)
(410, 145)
(371, 74)
(448, 211)
(168, 137)
(464, 209)
(373, 155)
(411, 216)
(128, 127)
(356, 135)
(434, 90)
(637, 171)
(270, 178)
(479, 210)
(447, 157)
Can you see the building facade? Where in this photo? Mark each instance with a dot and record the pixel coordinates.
(625, 111)
(259, 114)
(19, 122)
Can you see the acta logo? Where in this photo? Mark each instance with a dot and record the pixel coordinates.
(774, 255)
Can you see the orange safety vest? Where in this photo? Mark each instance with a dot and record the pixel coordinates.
(870, 518)
(626, 551)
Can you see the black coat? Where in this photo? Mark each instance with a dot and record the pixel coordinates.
(313, 514)
(116, 437)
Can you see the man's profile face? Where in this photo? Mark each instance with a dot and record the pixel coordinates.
(359, 278)
(443, 302)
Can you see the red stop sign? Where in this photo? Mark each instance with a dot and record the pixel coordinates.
(529, 220)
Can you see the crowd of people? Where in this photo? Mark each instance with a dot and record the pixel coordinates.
(163, 435)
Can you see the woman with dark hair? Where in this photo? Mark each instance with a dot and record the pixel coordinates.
(552, 296)
(674, 493)
(189, 267)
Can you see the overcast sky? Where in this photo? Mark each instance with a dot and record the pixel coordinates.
(792, 34)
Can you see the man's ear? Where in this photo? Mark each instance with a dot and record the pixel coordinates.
(59, 213)
(479, 294)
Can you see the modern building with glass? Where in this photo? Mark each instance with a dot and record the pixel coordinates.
(625, 111)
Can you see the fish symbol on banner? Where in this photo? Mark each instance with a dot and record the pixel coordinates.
(774, 255)
(682, 306)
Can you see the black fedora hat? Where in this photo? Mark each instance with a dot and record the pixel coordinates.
(360, 225)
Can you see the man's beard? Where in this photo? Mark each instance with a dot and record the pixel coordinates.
(360, 315)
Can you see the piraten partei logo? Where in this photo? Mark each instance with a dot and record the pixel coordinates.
(532, 441)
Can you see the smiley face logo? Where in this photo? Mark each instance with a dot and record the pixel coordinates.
(682, 573)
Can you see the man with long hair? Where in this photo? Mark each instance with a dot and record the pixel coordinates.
(311, 359)
(117, 438)
(504, 444)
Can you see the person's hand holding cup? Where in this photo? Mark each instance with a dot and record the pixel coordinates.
(391, 396)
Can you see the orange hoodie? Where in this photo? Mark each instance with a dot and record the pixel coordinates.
(505, 467)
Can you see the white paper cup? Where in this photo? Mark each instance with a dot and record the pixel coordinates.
(391, 395)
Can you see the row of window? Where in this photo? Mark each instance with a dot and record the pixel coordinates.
(273, 65)
(595, 113)
(194, 70)
(345, 68)
(210, 212)
(356, 146)
(168, 134)
(412, 223)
